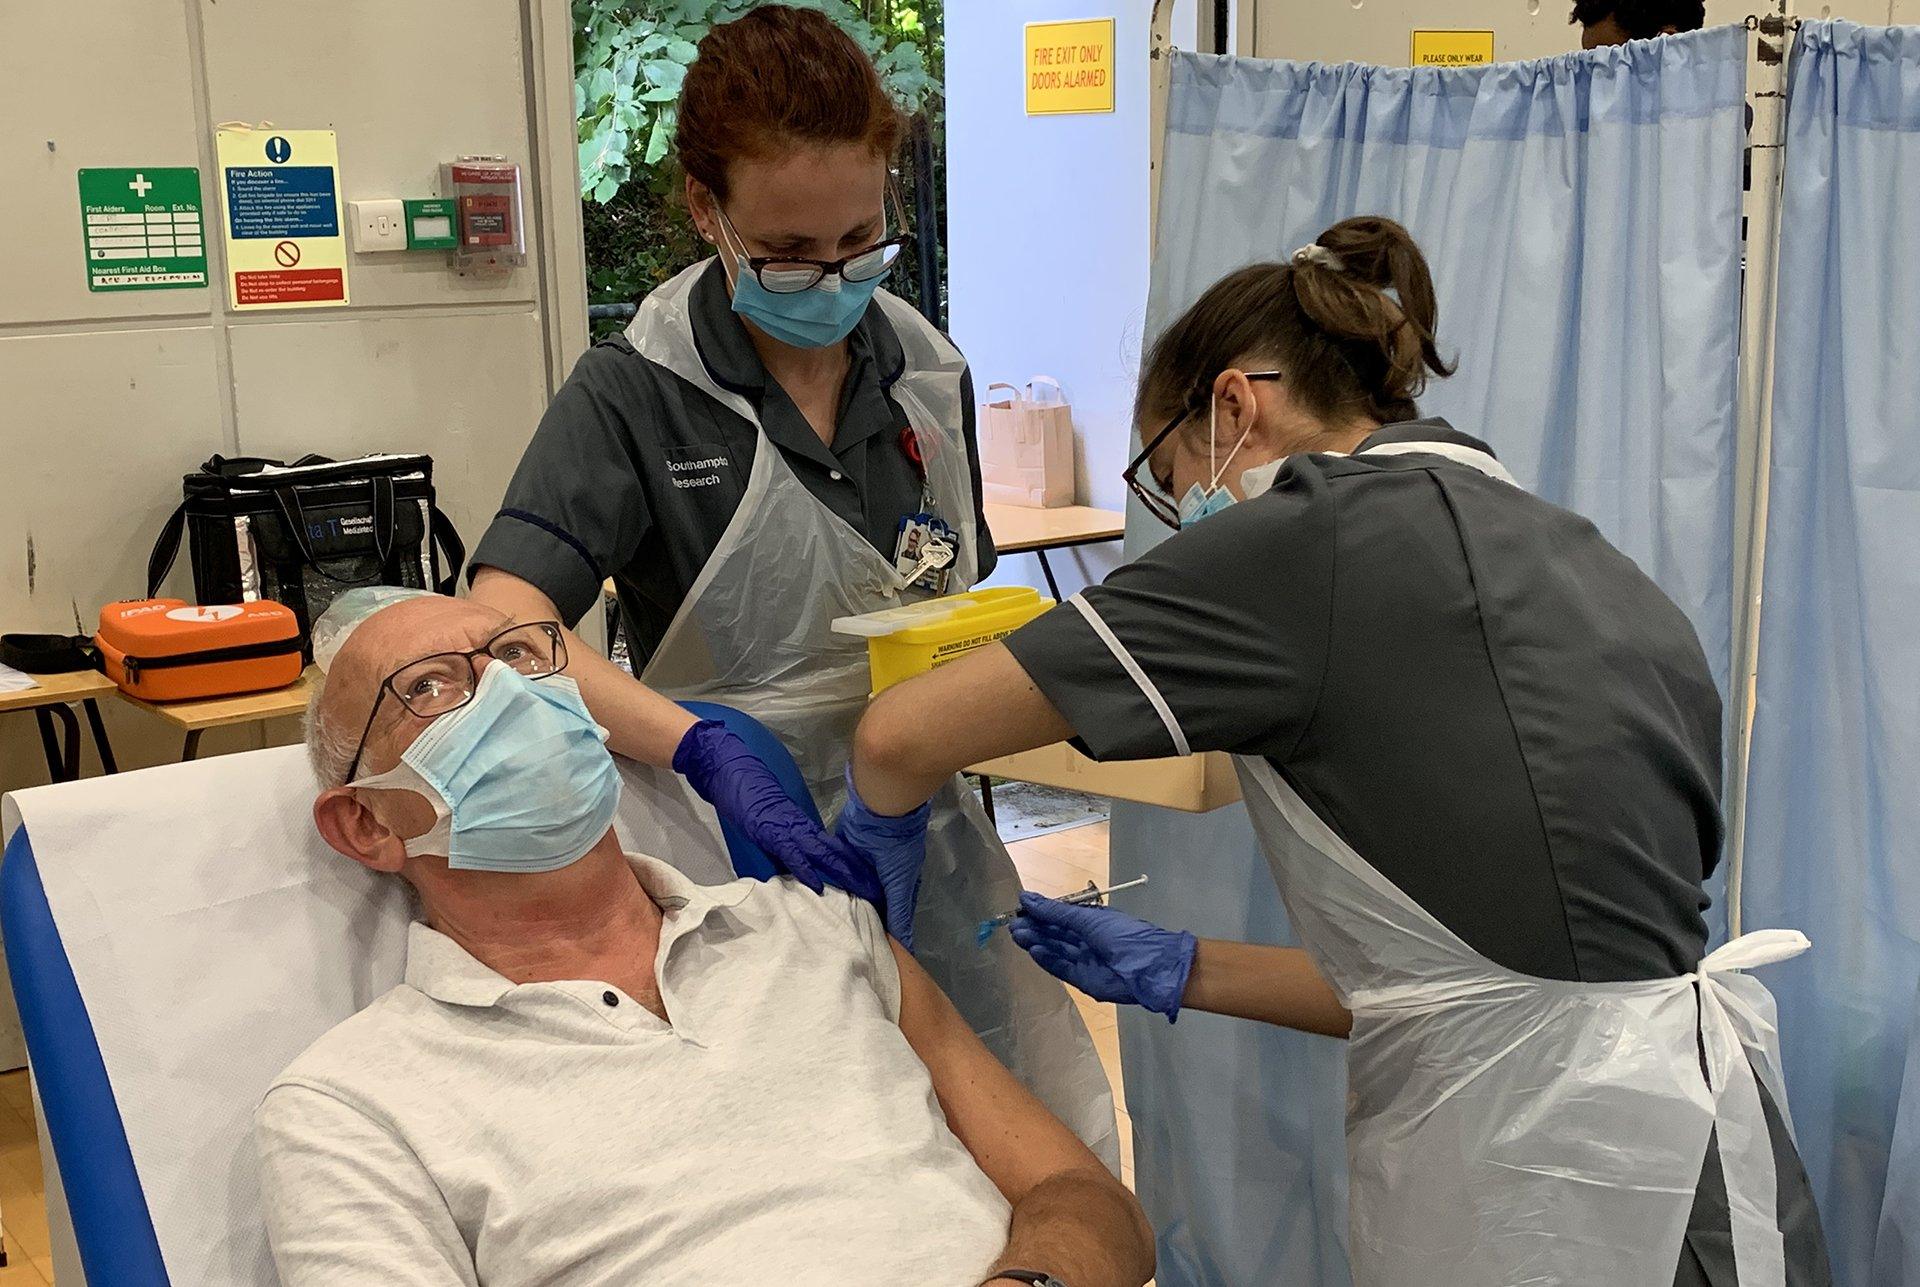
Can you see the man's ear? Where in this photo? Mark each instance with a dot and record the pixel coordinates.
(349, 827)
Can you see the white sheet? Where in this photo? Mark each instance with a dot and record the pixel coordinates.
(214, 936)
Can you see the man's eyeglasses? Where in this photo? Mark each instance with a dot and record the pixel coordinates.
(1154, 497)
(789, 274)
(445, 681)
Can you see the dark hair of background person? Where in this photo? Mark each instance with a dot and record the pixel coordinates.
(1642, 19)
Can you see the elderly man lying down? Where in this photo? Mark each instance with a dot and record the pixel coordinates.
(597, 1072)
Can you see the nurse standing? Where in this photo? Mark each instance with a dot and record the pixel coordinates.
(1481, 752)
(742, 463)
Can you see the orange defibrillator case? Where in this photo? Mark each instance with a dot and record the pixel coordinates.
(168, 650)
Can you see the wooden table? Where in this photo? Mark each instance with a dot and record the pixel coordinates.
(1018, 529)
(51, 698)
(195, 718)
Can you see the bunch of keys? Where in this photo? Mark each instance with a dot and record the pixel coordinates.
(923, 556)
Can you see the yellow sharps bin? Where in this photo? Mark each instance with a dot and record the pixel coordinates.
(911, 640)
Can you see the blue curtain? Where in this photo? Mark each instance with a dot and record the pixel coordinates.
(1833, 839)
(1582, 215)
(1896, 1252)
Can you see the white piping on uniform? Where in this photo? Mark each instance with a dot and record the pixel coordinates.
(1148, 688)
(1459, 453)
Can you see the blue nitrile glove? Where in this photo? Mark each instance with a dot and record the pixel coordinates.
(1108, 955)
(731, 778)
(897, 848)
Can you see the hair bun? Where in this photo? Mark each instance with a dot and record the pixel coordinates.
(1315, 253)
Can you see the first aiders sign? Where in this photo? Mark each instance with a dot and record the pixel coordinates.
(280, 191)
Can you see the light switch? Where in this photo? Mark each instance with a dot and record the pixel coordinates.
(378, 225)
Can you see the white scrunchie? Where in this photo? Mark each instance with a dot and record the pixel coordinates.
(1315, 253)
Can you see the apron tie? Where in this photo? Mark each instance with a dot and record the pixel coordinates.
(1758, 947)
(1746, 1149)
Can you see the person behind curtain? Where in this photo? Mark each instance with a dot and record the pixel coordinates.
(1481, 751)
(1615, 22)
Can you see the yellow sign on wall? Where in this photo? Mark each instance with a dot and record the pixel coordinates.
(1452, 48)
(280, 194)
(1069, 67)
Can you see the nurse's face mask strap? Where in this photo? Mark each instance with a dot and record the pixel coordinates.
(1152, 495)
(733, 251)
(1218, 465)
(1205, 499)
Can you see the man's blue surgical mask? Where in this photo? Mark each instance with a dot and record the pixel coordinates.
(824, 313)
(1204, 502)
(519, 778)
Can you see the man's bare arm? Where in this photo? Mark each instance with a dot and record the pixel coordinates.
(1071, 1218)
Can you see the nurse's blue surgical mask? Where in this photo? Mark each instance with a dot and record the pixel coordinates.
(519, 777)
(814, 315)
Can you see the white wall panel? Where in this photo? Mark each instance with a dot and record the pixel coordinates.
(462, 388)
(95, 433)
(109, 83)
(99, 429)
(1872, 13)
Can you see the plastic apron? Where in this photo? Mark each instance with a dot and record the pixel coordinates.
(753, 633)
(1507, 1129)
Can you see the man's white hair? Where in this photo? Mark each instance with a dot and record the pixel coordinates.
(329, 747)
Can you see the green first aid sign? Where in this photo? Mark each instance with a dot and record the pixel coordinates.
(142, 228)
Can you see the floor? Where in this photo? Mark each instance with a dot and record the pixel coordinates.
(1062, 862)
(22, 1210)
(1054, 864)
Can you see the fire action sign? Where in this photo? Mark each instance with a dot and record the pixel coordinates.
(286, 247)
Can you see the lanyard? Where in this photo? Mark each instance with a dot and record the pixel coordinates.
(910, 448)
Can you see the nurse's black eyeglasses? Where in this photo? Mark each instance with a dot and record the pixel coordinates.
(1155, 498)
(789, 275)
(445, 681)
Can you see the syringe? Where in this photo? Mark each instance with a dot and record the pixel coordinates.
(1092, 895)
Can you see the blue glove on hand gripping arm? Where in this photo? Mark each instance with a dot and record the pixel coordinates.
(897, 848)
(1108, 955)
(731, 778)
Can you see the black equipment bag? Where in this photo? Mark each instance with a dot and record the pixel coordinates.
(304, 533)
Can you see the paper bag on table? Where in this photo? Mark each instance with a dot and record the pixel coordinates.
(1026, 445)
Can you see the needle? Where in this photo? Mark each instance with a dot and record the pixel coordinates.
(1092, 895)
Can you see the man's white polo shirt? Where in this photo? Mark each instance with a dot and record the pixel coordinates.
(463, 1129)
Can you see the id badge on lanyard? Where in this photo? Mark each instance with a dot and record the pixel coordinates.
(924, 550)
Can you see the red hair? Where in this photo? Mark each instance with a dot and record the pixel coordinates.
(775, 78)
